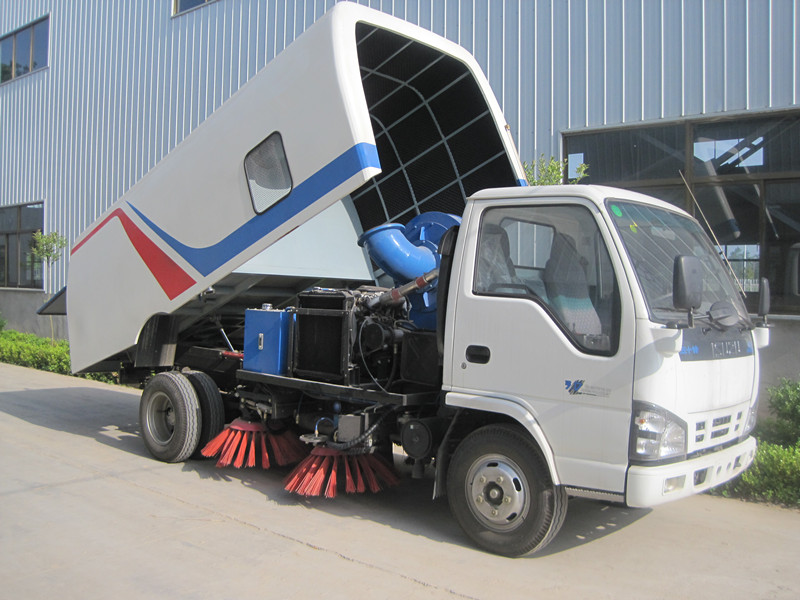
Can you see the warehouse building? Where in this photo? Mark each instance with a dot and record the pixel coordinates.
(693, 101)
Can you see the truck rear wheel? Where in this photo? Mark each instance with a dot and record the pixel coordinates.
(212, 409)
(170, 417)
(501, 493)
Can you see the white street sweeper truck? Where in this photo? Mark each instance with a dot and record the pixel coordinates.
(343, 264)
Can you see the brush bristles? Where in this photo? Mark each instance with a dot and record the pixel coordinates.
(244, 444)
(318, 474)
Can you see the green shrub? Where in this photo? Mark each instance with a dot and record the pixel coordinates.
(784, 402)
(2, 322)
(28, 350)
(774, 476)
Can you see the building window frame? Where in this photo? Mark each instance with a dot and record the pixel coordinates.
(182, 7)
(38, 52)
(18, 268)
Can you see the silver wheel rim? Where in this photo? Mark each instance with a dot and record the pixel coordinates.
(160, 418)
(497, 492)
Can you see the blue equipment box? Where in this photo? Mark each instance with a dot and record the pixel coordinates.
(266, 341)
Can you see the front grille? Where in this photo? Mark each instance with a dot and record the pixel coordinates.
(717, 429)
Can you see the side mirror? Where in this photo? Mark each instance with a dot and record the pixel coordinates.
(763, 297)
(687, 283)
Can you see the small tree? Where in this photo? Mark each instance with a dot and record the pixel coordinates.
(47, 248)
(551, 172)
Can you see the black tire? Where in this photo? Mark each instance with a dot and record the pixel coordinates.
(170, 417)
(212, 408)
(501, 493)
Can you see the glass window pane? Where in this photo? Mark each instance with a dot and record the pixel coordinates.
(744, 262)
(747, 146)
(3, 258)
(555, 256)
(12, 264)
(22, 57)
(632, 154)
(267, 173)
(732, 211)
(30, 269)
(41, 35)
(531, 244)
(653, 238)
(31, 217)
(183, 5)
(9, 219)
(6, 58)
(782, 247)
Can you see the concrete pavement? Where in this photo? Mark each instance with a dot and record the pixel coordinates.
(86, 513)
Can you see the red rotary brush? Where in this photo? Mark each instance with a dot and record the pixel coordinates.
(319, 471)
(244, 443)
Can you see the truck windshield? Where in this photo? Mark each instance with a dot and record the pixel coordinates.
(653, 237)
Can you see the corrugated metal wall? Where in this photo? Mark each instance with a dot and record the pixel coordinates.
(127, 82)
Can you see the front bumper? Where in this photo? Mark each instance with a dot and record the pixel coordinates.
(648, 486)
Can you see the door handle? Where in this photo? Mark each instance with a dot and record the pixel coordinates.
(478, 354)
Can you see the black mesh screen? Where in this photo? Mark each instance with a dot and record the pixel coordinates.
(436, 140)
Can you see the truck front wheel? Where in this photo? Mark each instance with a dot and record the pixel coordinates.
(501, 493)
(170, 417)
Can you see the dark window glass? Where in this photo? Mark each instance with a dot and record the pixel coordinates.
(31, 217)
(30, 269)
(24, 51)
(184, 5)
(782, 246)
(6, 58)
(9, 219)
(18, 268)
(41, 40)
(3, 260)
(22, 58)
(747, 146)
(13, 262)
(732, 211)
(632, 154)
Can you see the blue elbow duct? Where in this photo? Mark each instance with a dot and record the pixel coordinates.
(393, 252)
(407, 252)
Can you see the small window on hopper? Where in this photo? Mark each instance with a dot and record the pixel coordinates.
(267, 173)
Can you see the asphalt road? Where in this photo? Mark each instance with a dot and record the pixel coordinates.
(86, 513)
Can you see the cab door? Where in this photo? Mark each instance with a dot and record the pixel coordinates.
(542, 319)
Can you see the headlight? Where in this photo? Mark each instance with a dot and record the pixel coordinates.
(656, 434)
(751, 419)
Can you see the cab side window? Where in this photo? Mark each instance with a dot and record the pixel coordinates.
(555, 256)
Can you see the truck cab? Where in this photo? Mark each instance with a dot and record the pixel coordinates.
(561, 316)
